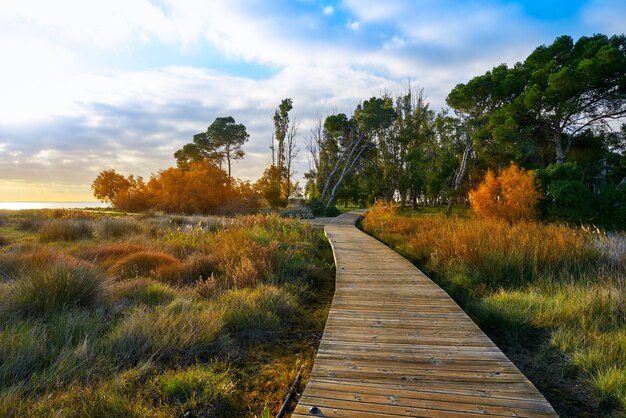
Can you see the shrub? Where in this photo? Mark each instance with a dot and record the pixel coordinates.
(318, 208)
(60, 286)
(258, 313)
(110, 228)
(512, 195)
(379, 216)
(65, 230)
(182, 328)
(143, 263)
(4, 241)
(570, 201)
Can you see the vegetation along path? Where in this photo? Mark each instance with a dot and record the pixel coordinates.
(395, 344)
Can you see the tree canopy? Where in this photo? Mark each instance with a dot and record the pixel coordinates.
(221, 143)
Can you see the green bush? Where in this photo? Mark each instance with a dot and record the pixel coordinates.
(570, 201)
(319, 209)
(568, 198)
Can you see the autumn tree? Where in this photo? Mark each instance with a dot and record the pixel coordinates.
(108, 185)
(221, 143)
(511, 195)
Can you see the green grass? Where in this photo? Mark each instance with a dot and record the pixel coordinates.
(157, 320)
(552, 297)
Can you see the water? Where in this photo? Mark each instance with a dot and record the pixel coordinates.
(51, 205)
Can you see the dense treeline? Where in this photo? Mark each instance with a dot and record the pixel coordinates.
(558, 112)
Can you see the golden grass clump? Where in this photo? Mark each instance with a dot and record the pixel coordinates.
(143, 263)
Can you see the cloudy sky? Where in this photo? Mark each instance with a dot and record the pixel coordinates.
(88, 85)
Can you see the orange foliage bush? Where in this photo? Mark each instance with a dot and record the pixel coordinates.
(379, 215)
(512, 195)
(202, 187)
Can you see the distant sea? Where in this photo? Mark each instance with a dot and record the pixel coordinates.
(51, 205)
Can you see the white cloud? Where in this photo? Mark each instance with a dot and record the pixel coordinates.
(353, 24)
(57, 105)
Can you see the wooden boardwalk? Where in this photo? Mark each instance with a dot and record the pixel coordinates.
(395, 344)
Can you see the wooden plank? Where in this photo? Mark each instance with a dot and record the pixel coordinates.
(395, 344)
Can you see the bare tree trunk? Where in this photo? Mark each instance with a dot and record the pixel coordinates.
(291, 154)
(313, 143)
(560, 155)
(353, 145)
(460, 174)
(347, 169)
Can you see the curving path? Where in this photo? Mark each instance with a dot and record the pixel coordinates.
(395, 344)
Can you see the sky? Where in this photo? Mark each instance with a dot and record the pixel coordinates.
(90, 85)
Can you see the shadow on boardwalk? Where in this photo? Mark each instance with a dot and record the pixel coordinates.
(395, 344)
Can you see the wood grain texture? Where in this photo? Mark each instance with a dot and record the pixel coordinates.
(395, 344)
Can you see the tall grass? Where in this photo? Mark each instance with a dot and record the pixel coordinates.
(112, 228)
(55, 288)
(515, 279)
(166, 319)
(183, 327)
(258, 313)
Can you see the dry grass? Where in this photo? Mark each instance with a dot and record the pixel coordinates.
(192, 328)
(194, 268)
(113, 228)
(522, 278)
(143, 263)
(65, 229)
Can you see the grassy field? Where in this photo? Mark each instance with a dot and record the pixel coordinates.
(552, 297)
(104, 316)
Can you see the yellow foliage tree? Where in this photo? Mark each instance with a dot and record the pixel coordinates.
(512, 195)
